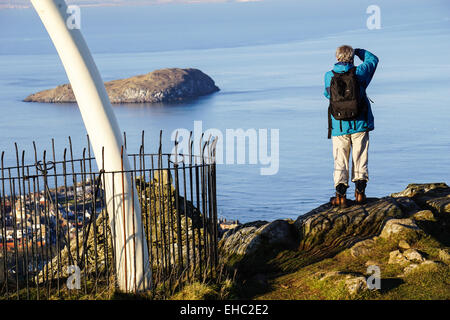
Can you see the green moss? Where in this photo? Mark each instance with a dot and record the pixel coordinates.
(196, 291)
(431, 284)
(329, 290)
(306, 281)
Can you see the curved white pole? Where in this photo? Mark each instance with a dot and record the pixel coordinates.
(132, 264)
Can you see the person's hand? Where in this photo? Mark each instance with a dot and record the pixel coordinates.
(358, 53)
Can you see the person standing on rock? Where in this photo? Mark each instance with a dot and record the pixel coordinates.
(350, 119)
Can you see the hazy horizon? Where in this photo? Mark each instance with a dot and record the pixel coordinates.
(16, 4)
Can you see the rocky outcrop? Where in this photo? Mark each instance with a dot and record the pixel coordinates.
(401, 218)
(160, 86)
(327, 229)
(434, 197)
(405, 229)
(249, 246)
(249, 238)
(386, 248)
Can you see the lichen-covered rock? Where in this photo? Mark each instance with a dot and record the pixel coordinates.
(434, 196)
(413, 255)
(414, 189)
(407, 257)
(249, 238)
(434, 202)
(396, 257)
(326, 229)
(355, 285)
(401, 229)
(444, 255)
(410, 268)
(407, 205)
(402, 244)
(434, 214)
(250, 246)
(438, 200)
(427, 265)
(165, 85)
(424, 215)
(362, 248)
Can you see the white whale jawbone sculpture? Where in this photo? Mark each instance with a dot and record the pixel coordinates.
(133, 269)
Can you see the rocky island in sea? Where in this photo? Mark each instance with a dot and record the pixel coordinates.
(160, 86)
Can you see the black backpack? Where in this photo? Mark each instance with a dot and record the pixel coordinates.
(345, 101)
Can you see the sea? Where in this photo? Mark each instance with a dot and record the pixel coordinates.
(268, 58)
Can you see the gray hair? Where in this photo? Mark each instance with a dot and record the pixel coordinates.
(345, 54)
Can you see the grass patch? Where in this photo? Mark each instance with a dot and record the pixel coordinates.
(308, 281)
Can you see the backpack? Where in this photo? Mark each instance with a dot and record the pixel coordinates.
(345, 101)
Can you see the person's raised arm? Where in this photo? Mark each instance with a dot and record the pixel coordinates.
(369, 65)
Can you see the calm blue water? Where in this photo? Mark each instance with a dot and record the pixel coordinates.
(269, 59)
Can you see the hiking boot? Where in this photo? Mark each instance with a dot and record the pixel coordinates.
(360, 197)
(360, 187)
(339, 201)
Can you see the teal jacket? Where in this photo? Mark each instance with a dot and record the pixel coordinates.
(364, 73)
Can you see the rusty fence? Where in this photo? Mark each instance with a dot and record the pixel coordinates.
(55, 235)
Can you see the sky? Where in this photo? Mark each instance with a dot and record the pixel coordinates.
(26, 3)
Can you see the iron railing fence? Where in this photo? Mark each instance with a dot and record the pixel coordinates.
(55, 235)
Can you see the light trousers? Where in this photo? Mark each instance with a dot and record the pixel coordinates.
(358, 144)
